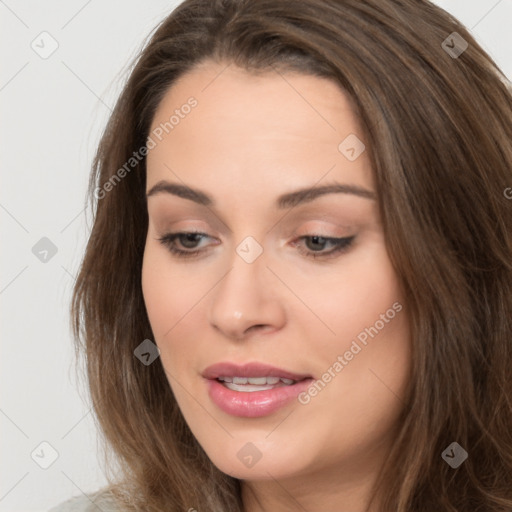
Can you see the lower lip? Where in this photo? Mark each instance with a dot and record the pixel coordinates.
(255, 403)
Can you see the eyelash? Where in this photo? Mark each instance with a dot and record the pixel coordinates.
(342, 245)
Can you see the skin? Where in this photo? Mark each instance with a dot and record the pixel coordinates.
(249, 140)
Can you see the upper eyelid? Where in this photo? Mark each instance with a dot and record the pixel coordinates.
(342, 219)
(334, 224)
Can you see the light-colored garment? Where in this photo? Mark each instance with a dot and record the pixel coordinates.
(96, 502)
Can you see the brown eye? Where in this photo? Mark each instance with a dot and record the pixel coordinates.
(318, 243)
(188, 240)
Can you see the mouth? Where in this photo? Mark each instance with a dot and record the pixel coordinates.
(254, 389)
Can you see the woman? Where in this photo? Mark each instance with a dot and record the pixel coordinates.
(297, 293)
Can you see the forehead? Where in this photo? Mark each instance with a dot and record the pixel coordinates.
(318, 99)
(247, 131)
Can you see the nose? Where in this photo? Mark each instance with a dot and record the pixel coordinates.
(247, 301)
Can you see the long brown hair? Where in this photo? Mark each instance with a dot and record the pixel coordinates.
(437, 117)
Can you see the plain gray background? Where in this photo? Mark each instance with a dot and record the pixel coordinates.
(53, 112)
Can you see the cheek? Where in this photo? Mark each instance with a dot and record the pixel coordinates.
(167, 296)
(366, 357)
(173, 300)
(163, 297)
(156, 292)
(352, 296)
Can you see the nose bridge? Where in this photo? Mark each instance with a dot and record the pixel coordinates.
(243, 298)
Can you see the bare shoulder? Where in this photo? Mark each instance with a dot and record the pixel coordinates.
(98, 501)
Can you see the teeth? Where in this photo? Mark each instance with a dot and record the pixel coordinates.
(246, 387)
(254, 383)
(257, 381)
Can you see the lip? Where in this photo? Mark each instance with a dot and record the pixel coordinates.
(257, 403)
(228, 369)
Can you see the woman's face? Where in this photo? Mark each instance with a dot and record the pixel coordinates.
(269, 285)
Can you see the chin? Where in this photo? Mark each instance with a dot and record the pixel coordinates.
(259, 460)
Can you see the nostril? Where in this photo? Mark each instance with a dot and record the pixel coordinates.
(259, 326)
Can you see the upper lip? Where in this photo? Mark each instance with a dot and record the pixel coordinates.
(255, 369)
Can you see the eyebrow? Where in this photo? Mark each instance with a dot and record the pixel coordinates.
(288, 200)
